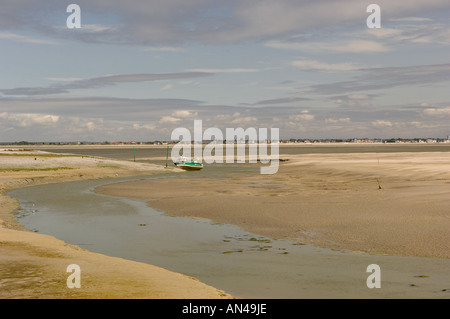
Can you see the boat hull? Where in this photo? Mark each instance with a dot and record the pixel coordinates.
(190, 166)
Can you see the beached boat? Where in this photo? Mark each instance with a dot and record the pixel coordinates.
(184, 163)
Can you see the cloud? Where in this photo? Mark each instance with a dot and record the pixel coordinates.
(171, 22)
(390, 37)
(58, 119)
(382, 123)
(403, 34)
(168, 86)
(184, 114)
(268, 19)
(96, 28)
(353, 100)
(147, 127)
(243, 118)
(305, 116)
(230, 70)
(29, 119)
(420, 125)
(445, 111)
(410, 19)
(50, 127)
(246, 120)
(23, 38)
(337, 121)
(342, 46)
(109, 108)
(63, 79)
(387, 77)
(327, 67)
(101, 82)
(169, 120)
(284, 100)
(130, 78)
(33, 91)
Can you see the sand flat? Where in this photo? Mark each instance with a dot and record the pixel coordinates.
(329, 200)
(34, 265)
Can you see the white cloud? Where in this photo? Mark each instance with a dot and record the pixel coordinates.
(75, 124)
(96, 27)
(88, 28)
(336, 121)
(90, 126)
(382, 123)
(421, 125)
(323, 66)
(148, 127)
(304, 116)
(184, 114)
(23, 38)
(359, 46)
(411, 33)
(383, 33)
(29, 119)
(244, 120)
(234, 119)
(411, 19)
(169, 120)
(230, 70)
(344, 46)
(167, 87)
(358, 96)
(437, 112)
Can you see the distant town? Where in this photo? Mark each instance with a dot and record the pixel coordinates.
(283, 141)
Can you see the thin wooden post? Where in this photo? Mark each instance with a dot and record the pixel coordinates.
(167, 155)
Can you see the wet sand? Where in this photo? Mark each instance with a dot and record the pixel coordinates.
(386, 203)
(34, 265)
(224, 256)
(328, 200)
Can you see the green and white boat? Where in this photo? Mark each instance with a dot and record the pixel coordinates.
(188, 165)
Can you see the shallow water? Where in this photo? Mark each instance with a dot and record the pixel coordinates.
(224, 256)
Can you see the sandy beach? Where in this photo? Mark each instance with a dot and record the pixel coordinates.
(34, 265)
(386, 203)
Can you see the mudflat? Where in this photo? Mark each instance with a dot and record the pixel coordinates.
(35, 265)
(379, 203)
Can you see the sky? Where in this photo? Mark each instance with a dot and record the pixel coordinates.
(136, 70)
